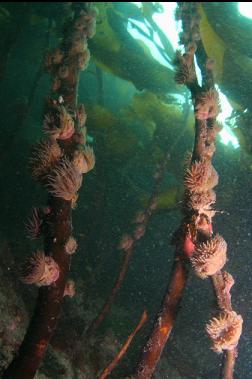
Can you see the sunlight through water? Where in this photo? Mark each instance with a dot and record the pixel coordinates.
(171, 28)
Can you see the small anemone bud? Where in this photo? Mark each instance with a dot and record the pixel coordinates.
(49, 125)
(57, 56)
(78, 43)
(126, 242)
(187, 159)
(153, 204)
(225, 331)
(33, 224)
(204, 222)
(82, 59)
(201, 177)
(71, 245)
(66, 124)
(209, 257)
(191, 48)
(64, 181)
(44, 157)
(58, 123)
(140, 217)
(69, 288)
(56, 83)
(80, 138)
(40, 269)
(139, 231)
(63, 71)
(84, 159)
(81, 115)
(79, 23)
(228, 281)
(201, 201)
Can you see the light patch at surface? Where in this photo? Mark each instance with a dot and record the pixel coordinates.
(166, 23)
(226, 135)
(245, 9)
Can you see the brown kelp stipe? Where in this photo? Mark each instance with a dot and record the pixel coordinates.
(58, 163)
(194, 240)
(127, 244)
(123, 350)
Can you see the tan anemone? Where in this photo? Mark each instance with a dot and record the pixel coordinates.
(225, 331)
(210, 256)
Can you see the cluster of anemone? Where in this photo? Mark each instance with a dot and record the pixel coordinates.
(209, 257)
(44, 157)
(65, 180)
(84, 159)
(86, 22)
(51, 58)
(59, 124)
(82, 60)
(207, 105)
(201, 177)
(225, 331)
(188, 12)
(63, 66)
(40, 269)
(185, 70)
(202, 201)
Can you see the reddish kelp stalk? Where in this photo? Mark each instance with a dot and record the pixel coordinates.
(127, 244)
(123, 350)
(194, 240)
(58, 163)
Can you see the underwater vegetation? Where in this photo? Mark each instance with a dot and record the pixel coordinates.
(120, 203)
